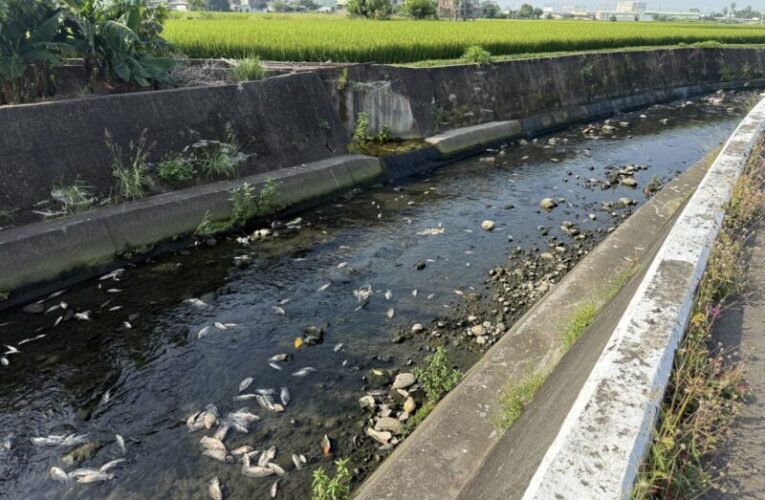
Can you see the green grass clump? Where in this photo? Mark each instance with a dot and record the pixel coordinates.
(515, 398)
(477, 55)
(74, 197)
(176, 170)
(578, 323)
(332, 488)
(437, 377)
(131, 174)
(248, 69)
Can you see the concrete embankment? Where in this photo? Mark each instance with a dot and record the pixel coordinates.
(288, 125)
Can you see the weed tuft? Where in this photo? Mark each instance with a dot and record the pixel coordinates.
(250, 68)
(130, 175)
(477, 55)
(74, 197)
(360, 136)
(515, 398)
(176, 170)
(437, 377)
(332, 488)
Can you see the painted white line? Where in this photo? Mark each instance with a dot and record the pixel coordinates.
(598, 449)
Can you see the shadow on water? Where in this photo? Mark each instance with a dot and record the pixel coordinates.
(157, 372)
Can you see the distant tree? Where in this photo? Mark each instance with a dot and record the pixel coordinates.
(526, 11)
(218, 5)
(259, 4)
(370, 9)
(198, 4)
(308, 4)
(612, 18)
(419, 9)
(537, 13)
(490, 10)
(281, 6)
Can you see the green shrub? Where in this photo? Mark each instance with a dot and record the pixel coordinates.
(371, 9)
(176, 170)
(420, 9)
(332, 488)
(360, 135)
(437, 378)
(130, 175)
(248, 69)
(476, 54)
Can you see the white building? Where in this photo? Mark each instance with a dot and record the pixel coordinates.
(179, 5)
(636, 8)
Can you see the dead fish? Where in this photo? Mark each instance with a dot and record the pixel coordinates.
(277, 469)
(58, 474)
(203, 419)
(8, 442)
(87, 476)
(414, 293)
(126, 325)
(11, 350)
(106, 397)
(56, 294)
(266, 457)
(220, 326)
(266, 391)
(323, 287)
(390, 313)
(284, 301)
(203, 332)
(114, 275)
(220, 434)
(257, 471)
(113, 290)
(242, 450)
(60, 440)
(296, 460)
(83, 316)
(279, 357)
(196, 302)
(58, 320)
(388, 295)
(245, 397)
(115, 308)
(279, 310)
(219, 455)
(212, 443)
(275, 366)
(285, 397)
(32, 339)
(4, 361)
(53, 308)
(363, 293)
(338, 347)
(342, 265)
(213, 488)
(274, 488)
(120, 442)
(244, 384)
(304, 371)
(109, 465)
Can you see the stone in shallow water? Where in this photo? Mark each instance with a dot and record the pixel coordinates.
(388, 424)
(404, 380)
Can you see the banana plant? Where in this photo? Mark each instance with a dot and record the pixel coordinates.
(30, 45)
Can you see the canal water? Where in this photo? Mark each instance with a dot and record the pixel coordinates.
(132, 361)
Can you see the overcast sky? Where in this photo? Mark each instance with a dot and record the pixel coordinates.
(682, 5)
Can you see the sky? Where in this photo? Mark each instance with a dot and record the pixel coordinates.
(673, 5)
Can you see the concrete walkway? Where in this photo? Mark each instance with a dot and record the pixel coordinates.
(742, 326)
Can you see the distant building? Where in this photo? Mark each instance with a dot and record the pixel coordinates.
(341, 5)
(636, 8)
(653, 15)
(611, 15)
(466, 9)
(240, 5)
(179, 5)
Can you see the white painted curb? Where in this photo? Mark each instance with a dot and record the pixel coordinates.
(598, 449)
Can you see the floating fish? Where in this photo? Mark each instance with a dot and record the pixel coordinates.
(114, 275)
(115, 308)
(342, 265)
(120, 442)
(211, 443)
(304, 371)
(390, 313)
(220, 434)
(363, 293)
(11, 350)
(274, 488)
(196, 302)
(4, 361)
(388, 295)
(285, 396)
(245, 397)
(275, 366)
(267, 456)
(84, 316)
(337, 347)
(58, 320)
(242, 450)
(277, 469)
(280, 311)
(204, 331)
(109, 465)
(219, 455)
(323, 287)
(284, 301)
(297, 461)
(56, 294)
(279, 357)
(326, 446)
(220, 326)
(214, 490)
(414, 293)
(257, 471)
(114, 290)
(87, 476)
(58, 474)
(431, 231)
(106, 397)
(266, 391)
(22, 342)
(60, 440)
(244, 384)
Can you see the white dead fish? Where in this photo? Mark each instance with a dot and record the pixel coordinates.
(274, 488)
(87, 476)
(213, 488)
(244, 384)
(126, 325)
(265, 391)
(109, 465)
(60, 440)
(431, 231)
(414, 293)
(304, 371)
(120, 442)
(220, 326)
(211, 443)
(275, 366)
(285, 396)
(220, 434)
(113, 290)
(242, 450)
(277, 469)
(11, 350)
(279, 310)
(323, 287)
(337, 347)
(204, 331)
(58, 474)
(388, 295)
(4, 361)
(114, 275)
(284, 301)
(257, 471)
(363, 293)
(58, 320)
(8, 442)
(106, 397)
(390, 313)
(203, 419)
(279, 357)
(245, 397)
(342, 265)
(83, 316)
(267, 456)
(56, 294)
(219, 455)
(115, 308)
(296, 460)
(32, 339)
(196, 302)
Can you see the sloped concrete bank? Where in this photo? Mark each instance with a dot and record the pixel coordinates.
(301, 118)
(597, 452)
(448, 449)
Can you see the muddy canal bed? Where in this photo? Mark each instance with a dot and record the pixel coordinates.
(124, 355)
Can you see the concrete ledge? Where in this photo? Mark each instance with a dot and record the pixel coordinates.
(442, 455)
(598, 450)
(467, 138)
(44, 251)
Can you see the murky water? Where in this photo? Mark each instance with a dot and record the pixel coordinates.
(158, 372)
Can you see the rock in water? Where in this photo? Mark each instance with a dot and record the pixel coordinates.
(382, 437)
(410, 405)
(388, 424)
(487, 225)
(548, 203)
(403, 380)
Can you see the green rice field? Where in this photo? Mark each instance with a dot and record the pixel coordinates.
(317, 37)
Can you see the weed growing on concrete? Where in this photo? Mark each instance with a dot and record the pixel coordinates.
(332, 488)
(176, 170)
(130, 175)
(360, 135)
(248, 69)
(437, 377)
(706, 385)
(75, 197)
(515, 398)
(578, 323)
(416, 419)
(208, 227)
(342, 81)
(477, 55)
(4, 296)
(222, 162)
